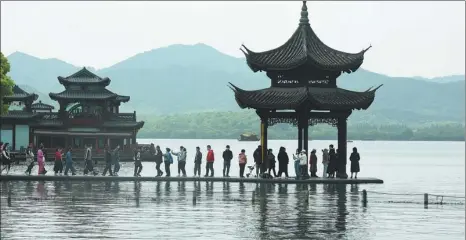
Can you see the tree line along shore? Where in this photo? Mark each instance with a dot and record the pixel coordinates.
(230, 125)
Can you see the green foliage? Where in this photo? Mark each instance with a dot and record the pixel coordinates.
(229, 125)
(6, 87)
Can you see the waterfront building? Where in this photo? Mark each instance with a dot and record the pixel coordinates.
(88, 114)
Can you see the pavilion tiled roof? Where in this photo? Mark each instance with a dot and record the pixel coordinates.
(132, 124)
(293, 98)
(42, 106)
(20, 95)
(304, 48)
(121, 98)
(100, 94)
(84, 76)
(19, 114)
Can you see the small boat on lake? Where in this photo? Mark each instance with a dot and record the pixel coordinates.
(248, 137)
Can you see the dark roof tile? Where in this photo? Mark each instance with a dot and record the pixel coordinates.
(20, 95)
(42, 106)
(84, 76)
(304, 48)
(19, 114)
(292, 98)
(101, 94)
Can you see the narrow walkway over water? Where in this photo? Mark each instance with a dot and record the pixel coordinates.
(190, 179)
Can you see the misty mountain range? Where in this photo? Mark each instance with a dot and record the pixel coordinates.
(193, 78)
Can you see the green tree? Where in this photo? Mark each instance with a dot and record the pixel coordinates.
(6, 83)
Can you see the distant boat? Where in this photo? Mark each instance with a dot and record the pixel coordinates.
(248, 137)
(349, 141)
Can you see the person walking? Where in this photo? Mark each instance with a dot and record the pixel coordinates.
(88, 163)
(152, 150)
(108, 161)
(271, 159)
(325, 161)
(210, 158)
(296, 163)
(242, 161)
(29, 160)
(168, 159)
(197, 162)
(6, 158)
(283, 161)
(116, 160)
(69, 163)
(137, 162)
(257, 155)
(354, 158)
(227, 156)
(313, 163)
(58, 165)
(41, 160)
(181, 159)
(332, 165)
(158, 160)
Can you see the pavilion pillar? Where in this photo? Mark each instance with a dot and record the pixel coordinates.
(300, 137)
(13, 144)
(264, 126)
(342, 147)
(305, 120)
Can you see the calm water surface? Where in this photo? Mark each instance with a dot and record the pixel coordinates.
(166, 210)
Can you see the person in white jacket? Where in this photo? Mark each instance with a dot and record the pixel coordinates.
(325, 161)
(303, 163)
(181, 160)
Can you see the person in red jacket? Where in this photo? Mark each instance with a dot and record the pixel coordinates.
(210, 162)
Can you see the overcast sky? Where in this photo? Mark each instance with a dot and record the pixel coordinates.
(408, 38)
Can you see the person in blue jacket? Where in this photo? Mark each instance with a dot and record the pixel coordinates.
(69, 163)
(167, 159)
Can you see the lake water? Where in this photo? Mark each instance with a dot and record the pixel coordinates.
(166, 210)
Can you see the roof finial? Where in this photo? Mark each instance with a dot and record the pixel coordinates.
(304, 19)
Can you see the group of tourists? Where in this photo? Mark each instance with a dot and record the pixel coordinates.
(167, 159)
(112, 161)
(301, 162)
(329, 162)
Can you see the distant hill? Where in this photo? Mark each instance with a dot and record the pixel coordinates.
(193, 78)
(445, 79)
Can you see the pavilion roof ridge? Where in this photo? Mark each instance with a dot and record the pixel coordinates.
(304, 47)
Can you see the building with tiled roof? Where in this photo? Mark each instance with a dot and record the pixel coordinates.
(88, 115)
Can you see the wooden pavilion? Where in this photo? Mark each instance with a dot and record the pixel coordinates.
(304, 91)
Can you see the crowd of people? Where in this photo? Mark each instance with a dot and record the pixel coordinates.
(302, 164)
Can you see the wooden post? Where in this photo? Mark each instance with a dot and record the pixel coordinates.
(253, 196)
(300, 137)
(426, 199)
(264, 144)
(364, 197)
(342, 147)
(13, 139)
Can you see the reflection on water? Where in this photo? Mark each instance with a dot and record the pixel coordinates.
(164, 210)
